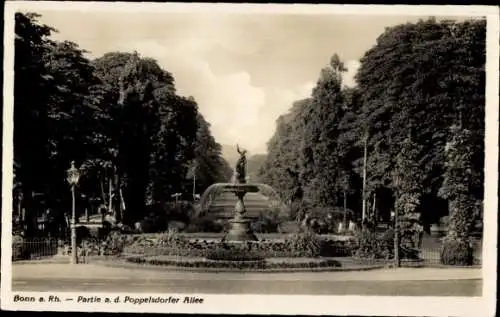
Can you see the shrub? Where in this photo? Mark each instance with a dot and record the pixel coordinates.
(266, 223)
(289, 227)
(172, 239)
(297, 210)
(18, 248)
(116, 242)
(306, 244)
(330, 248)
(456, 252)
(205, 224)
(373, 246)
(179, 211)
(228, 264)
(143, 226)
(233, 254)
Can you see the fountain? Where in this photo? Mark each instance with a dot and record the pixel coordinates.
(239, 222)
(239, 249)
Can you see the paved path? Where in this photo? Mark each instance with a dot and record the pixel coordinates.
(92, 277)
(84, 271)
(235, 286)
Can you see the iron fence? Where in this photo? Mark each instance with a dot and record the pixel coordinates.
(430, 252)
(47, 248)
(50, 248)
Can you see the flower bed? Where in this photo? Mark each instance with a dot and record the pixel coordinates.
(172, 243)
(298, 245)
(264, 265)
(220, 254)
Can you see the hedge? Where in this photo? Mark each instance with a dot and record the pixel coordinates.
(258, 265)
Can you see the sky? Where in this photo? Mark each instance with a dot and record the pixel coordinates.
(244, 70)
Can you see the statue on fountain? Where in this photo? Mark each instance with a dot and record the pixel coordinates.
(240, 169)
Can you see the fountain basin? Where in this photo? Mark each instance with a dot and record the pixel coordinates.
(219, 200)
(240, 232)
(229, 200)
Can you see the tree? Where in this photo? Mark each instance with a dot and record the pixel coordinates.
(53, 123)
(424, 72)
(320, 173)
(282, 168)
(457, 187)
(210, 166)
(139, 120)
(72, 113)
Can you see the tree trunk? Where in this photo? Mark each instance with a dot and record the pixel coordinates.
(110, 201)
(116, 198)
(396, 239)
(194, 185)
(345, 209)
(20, 208)
(103, 193)
(373, 207)
(365, 158)
(29, 215)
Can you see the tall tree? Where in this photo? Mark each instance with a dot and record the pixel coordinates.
(414, 72)
(320, 136)
(459, 179)
(139, 122)
(33, 87)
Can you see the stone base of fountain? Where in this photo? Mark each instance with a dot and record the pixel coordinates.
(239, 231)
(239, 226)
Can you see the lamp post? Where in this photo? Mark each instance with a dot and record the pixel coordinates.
(72, 178)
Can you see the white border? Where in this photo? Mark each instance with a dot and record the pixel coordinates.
(270, 304)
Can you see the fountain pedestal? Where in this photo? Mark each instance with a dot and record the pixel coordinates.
(239, 226)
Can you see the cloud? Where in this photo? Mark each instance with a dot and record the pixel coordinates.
(244, 71)
(238, 111)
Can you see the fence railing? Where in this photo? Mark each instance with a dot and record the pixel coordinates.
(430, 252)
(43, 248)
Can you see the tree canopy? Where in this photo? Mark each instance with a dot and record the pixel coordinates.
(118, 116)
(417, 81)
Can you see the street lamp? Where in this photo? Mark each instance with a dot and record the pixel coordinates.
(73, 175)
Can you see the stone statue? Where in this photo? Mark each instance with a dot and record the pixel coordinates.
(241, 166)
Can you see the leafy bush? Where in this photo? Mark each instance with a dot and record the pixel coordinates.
(331, 248)
(180, 211)
(456, 252)
(172, 243)
(372, 245)
(289, 227)
(253, 265)
(205, 224)
(233, 254)
(267, 222)
(297, 210)
(116, 242)
(306, 244)
(172, 239)
(18, 248)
